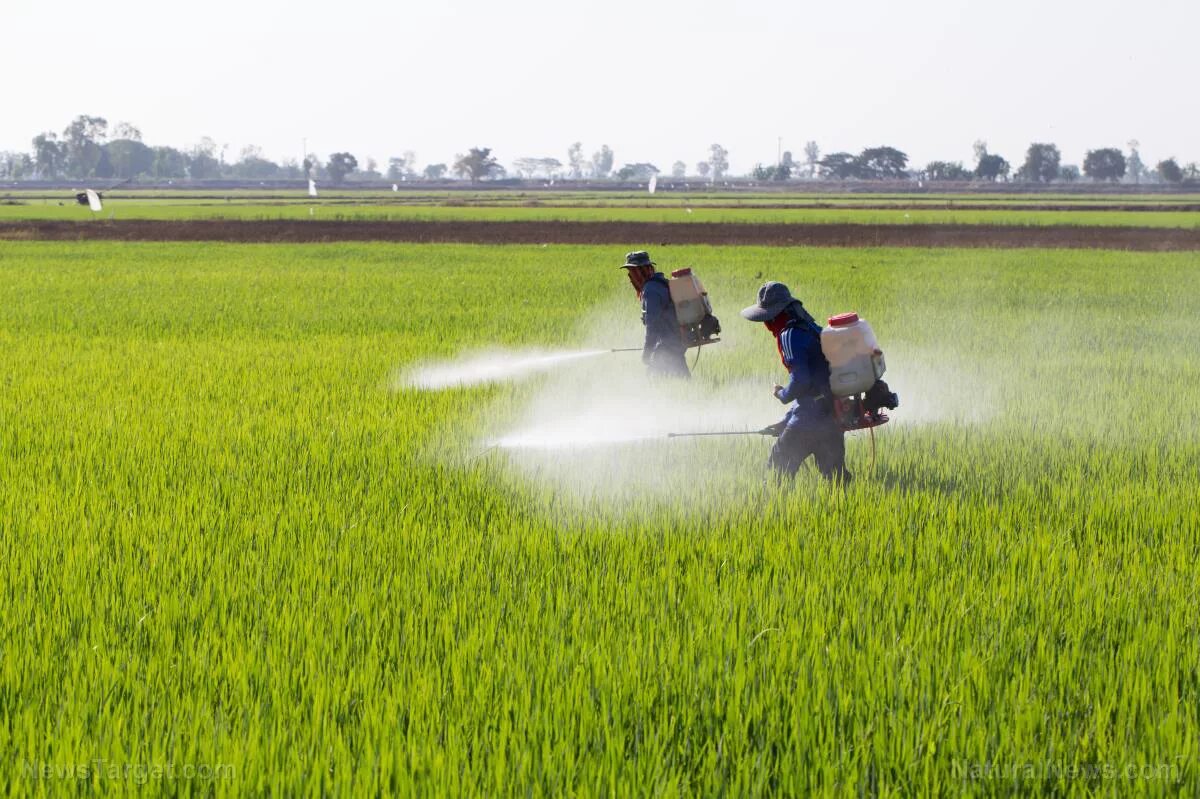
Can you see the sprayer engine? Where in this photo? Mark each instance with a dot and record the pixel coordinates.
(865, 410)
(697, 325)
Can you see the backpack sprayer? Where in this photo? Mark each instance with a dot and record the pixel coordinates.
(693, 312)
(855, 367)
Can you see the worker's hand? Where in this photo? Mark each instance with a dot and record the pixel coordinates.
(776, 391)
(775, 430)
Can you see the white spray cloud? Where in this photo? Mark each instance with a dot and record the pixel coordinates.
(489, 367)
(622, 406)
(605, 434)
(939, 387)
(598, 428)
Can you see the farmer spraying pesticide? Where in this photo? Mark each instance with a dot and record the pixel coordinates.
(809, 427)
(834, 383)
(675, 312)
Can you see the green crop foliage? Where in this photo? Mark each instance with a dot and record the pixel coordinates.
(232, 544)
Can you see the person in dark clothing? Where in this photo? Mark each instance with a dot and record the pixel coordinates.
(809, 428)
(663, 352)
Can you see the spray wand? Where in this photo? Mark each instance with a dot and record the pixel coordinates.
(766, 431)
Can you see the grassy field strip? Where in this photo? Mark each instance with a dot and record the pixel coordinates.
(179, 211)
(667, 194)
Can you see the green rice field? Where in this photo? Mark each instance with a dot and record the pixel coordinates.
(239, 541)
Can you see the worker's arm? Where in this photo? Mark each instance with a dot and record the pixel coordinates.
(795, 344)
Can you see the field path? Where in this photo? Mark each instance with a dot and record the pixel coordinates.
(624, 233)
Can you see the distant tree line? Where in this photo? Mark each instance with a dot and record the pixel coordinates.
(1042, 164)
(89, 149)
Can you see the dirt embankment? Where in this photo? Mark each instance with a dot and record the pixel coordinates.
(623, 233)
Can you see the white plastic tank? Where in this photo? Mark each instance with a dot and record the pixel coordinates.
(855, 360)
(688, 297)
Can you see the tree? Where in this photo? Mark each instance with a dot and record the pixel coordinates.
(340, 165)
(991, 167)
(780, 172)
(206, 146)
(1134, 165)
(679, 170)
(202, 165)
(478, 164)
(1170, 171)
(124, 130)
(169, 163)
(981, 150)
(310, 165)
(881, 163)
(839, 166)
(82, 139)
(575, 160)
(537, 167)
(15, 166)
(1068, 173)
(1104, 164)
(49, 155)
(398, 168)
(129, 158)
(372, 170)
(760, 172)
(718, 159)
(104, 167)
(253, 166)
(435, 171)
(290, 169)
(946, 170)
(638, 171)
(702, 169)
(1041, 163)
(812, 157)
(602, 161)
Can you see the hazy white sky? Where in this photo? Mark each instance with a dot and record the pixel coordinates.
(656, 81)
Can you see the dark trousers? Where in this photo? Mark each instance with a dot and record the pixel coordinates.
(668, 363)
(825, 442)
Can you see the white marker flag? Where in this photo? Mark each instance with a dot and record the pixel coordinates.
(94, 201)
(312, 188)
(653, 183)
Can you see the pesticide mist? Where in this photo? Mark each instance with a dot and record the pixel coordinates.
(490, 367)
(590, 423)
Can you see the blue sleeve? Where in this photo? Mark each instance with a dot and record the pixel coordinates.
(795, 345)
(659, 327)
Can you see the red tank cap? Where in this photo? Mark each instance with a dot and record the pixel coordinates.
(843, 319)
(681, 272)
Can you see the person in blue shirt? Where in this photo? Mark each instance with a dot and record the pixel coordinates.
(809, 428)
(663, 351)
